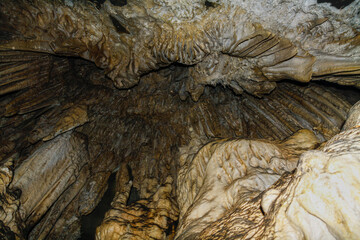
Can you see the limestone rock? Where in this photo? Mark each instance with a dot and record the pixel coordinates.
(319, 200)
(244, 44)
(9, 200)
(323, 191)
(69, 119)
(145, 219)
(52, 169)
(188, 73)
(353, 119)
(226, 172)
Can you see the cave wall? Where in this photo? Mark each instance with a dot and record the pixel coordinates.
(141, 130)
(168, 86)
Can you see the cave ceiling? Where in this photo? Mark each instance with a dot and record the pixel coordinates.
(196, 119)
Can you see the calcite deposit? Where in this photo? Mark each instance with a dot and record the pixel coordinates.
(319, 200)
(224, 173)
(220, 119)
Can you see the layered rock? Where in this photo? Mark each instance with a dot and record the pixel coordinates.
(150, 218)
(51, 169)
(9, 216)
(62, 119)
(225, 173)
(318, 200)
(235, 43)
(143, 129)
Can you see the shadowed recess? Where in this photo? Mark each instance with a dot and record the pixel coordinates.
(209, 4)
(119, 28)
(98, 3)
(94, 219)
(337, 3)
(119, 3)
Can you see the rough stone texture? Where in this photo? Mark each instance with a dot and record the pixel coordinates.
(318, 201)
(239, 44)
(352, 120)
(141, 129)
(224, 173)
(146, 219)
(33, 118)
(200, 71)
(52, 168)
(9, 215)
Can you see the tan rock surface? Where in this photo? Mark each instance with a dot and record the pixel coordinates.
(9, 215)
(143, 128)
(51, 168)
(189, 73)
(238, 44)
(224, 173)
(320, 200)
(145, 219)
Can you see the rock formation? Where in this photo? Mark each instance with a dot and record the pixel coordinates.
(239, 44)
(319, 200)
(221, 119)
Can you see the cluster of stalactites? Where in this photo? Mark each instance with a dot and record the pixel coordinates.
(231, 43)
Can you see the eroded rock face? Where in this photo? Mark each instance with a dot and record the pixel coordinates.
(52, 169)
(239, 44)
(9, 215)
(142, 129)
(145, 219)
(318, 200)
(210, 138)
(223, 174)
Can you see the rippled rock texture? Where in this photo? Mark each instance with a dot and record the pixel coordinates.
(221, 119)
(245, 45)
(318, 200)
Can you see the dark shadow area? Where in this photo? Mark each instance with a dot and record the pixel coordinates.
(119, 28)
(134, 196)
(172, 228)
(90, 222)
(118, 3)
(209, 4)
(98, 3)
(349, 93)
(337, 3)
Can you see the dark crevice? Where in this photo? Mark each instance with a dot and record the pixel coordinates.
(134, 196)
(172, 227)
(90, 222)
(209, 4)
(118, 3)
(350, 94)
(337, 3)
(98, 3)
(134, 192)
(131, 176)
(5, 35)
(5, 232)
(119, 28)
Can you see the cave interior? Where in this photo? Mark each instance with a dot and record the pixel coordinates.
(164, 119)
